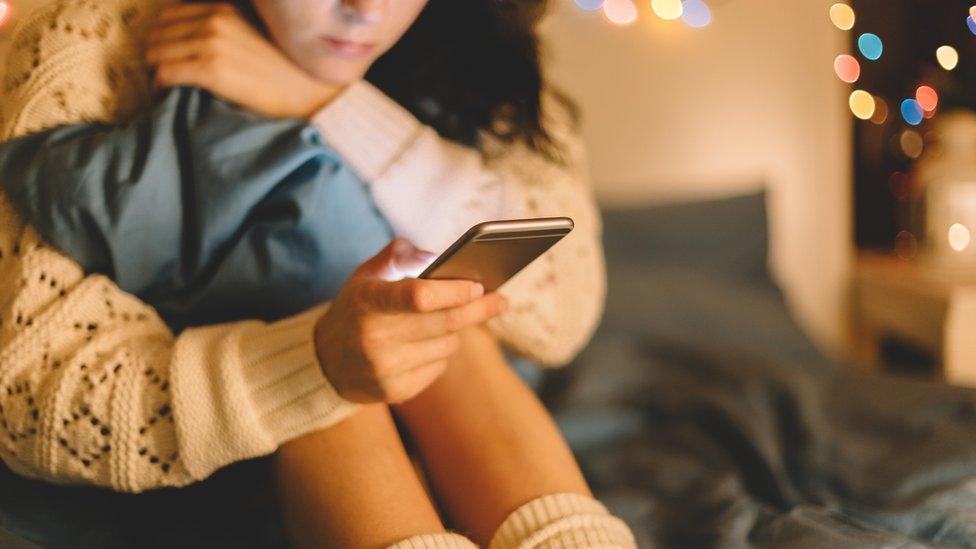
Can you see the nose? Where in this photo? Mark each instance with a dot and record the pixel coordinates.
(363, 11)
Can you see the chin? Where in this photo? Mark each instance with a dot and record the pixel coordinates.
(339, 72)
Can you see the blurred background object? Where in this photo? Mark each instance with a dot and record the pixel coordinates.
(915, 188)
(857, 117)
(674, 112)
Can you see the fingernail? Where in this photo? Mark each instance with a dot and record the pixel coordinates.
(477, 290)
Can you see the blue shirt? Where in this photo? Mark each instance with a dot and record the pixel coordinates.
(204, 210)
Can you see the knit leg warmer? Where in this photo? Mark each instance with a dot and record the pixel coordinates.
(443, 540)
(566, 521)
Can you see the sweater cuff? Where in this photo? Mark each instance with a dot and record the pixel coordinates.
(289, 392)
(368, 129)
(563, 520)
(257, 386)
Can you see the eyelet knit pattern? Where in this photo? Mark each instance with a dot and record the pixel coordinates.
(56, 53)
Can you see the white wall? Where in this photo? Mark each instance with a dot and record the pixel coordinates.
(672, 112)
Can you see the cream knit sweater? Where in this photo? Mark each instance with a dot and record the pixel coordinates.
(95, 389)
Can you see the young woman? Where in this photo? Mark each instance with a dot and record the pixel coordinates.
(85, 363)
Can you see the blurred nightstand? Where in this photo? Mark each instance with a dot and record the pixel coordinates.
(918, 304)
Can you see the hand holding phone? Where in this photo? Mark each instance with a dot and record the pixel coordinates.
(494, 251)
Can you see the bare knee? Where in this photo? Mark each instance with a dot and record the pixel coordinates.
(352, 484)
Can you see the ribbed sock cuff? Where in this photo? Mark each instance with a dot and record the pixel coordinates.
(443, 540)
(563, 520)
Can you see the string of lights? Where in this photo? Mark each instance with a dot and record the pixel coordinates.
(864, 105)
(694, 13)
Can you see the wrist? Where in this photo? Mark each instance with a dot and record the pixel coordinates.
(316, 95)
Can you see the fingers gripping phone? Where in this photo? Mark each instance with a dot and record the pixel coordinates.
(494, 251)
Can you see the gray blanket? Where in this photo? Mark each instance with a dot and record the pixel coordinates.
(703, 442)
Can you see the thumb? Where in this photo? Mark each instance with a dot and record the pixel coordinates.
(397, 260)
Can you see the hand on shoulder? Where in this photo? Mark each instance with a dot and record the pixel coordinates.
(214, 47)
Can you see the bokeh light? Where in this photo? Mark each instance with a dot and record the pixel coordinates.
(589, 5)
(696, 14)
(906, 245)
(4, 12)
(667, 9)
(880, 115)
(847, 68)
(911, 143)
(947, 57)
(620, 12)
(927, 98)
(862, 104)
(870, 45)
(842, 16)
(959, 237)
(912, 112)
(971, 23)
(900, 186)
(972, 12)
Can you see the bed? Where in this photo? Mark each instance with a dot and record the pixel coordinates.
(700, 413)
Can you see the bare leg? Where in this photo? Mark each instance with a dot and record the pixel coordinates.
(488, 444)
(352, 485)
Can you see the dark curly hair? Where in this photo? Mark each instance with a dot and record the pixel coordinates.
(467, 66)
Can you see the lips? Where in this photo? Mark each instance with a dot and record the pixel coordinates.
(348, 48)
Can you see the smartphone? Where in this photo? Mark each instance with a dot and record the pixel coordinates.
(494, 251)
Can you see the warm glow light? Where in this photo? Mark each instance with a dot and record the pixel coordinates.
(589, 5)
(842, 16)
(912, 112)
(972, 12)
(620, 12)
(948, 57)
(696, 14)
(870, 45)
(862, 104)
(4, 12)
(880, 115)
(959, 237)
(847, 68)
(911, 143)
(667, 9)
(927, 98)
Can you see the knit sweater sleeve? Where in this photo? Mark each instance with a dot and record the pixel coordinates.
(94, 388)
(432, 190)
